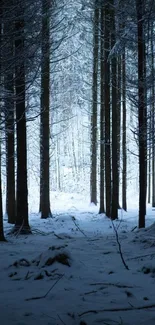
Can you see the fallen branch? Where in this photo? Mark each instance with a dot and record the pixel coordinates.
(133, 228)
(140, 256)
(74, 220)
(44, 296)
(119, 246)
(112, 284)
(116, 309)
(61, 320)
(20, 229)
(59, 237)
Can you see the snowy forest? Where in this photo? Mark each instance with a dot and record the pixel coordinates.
(77, 162)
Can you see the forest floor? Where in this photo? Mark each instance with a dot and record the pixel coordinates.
(70, 270)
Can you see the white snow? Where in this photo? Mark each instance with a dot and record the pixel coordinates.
(96, 279)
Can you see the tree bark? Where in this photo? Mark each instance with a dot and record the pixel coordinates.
(45, 115)
(142, 118)
(152, 115)
(114, 204)
(22, 190)
(93, 168)
(107, 109)
(124, 153)
(102, 115)
(2, 237)
(9, 125)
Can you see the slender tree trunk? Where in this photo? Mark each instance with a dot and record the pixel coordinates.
(124, 153)
(45, 115)
(149, 160)
(10, 163)
(152, 115)
(141, 117)
(2, 238)
(10, 130)
(119, 89)
(107, 109)
(114, 205)
(22, 190)
(102, 115)
(93, 168)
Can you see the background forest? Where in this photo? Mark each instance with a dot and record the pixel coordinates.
(77, 105)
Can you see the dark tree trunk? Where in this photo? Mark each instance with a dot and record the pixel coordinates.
(114, 204)
(152, 115)
(9, 124)
(102, 114)
(2, 238)
(149, 160)
(107, 109)
(119, 94)
(93, 168)
(142, 119)
(22, 222)
(124, 153)
(10, 163)
(45, 114)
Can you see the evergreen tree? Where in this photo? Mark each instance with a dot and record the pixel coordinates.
(45, 114)
(93, 168)
(21, 222)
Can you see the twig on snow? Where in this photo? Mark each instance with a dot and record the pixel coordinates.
(61, 320)
(59, 237)
(140, 256)
(74, 220)
(112, 284)
(116, 309)
(119, 246)
(44, 296)
(133, 228)
(20, 229)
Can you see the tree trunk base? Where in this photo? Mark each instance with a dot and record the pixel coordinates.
(101, 211)
(47, 215)
(2, 239)
(20, 230)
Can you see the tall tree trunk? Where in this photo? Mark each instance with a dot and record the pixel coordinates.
(119, 89)
(22, 222)
(114, 204)
(152, 115)
(142, 119)
(93, 168)
(124, 153)
(149, 159)
(45, 114)
(10, 162)
(107, 108)
(9, 125)
(102, 114)
(2, 238)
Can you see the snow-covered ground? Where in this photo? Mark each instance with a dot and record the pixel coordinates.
(70, 271)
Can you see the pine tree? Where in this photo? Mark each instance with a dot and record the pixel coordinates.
(45, 114)
(142, 114)
(22, 222)
(93, 168)
(124, 153)
(102, 114)
(9, 118)
(107, 109)
(2, 238)
(114, 204)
